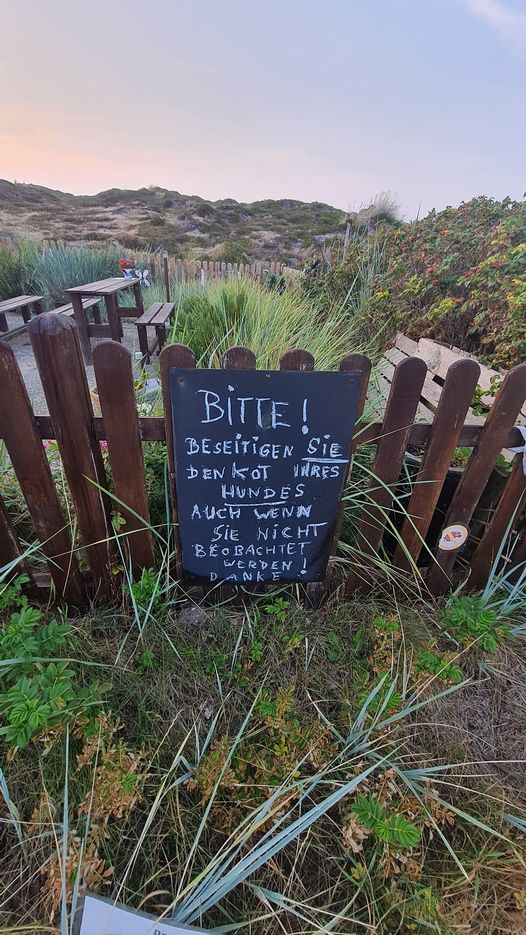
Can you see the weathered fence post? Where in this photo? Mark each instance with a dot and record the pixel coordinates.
(175, 355)
(166, 275)
(402, 403)
(114, 374)
(22, 439)
(352, 363)
(59, 360)
(456, 395)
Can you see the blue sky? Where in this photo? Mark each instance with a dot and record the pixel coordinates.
(331, 101)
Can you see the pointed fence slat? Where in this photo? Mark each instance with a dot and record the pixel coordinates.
(492, 438)
(174, 355)
(59, 360)
(457, 393)
(352, 363)
(28, 458)
(402, 404)
(500, 525)
(114, 375)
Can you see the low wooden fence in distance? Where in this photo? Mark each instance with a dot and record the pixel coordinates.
(203, 271)
(78, 434)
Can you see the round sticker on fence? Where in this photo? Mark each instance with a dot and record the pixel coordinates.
(453, 537)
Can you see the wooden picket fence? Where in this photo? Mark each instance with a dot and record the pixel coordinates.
(185, 271)
(78, 433)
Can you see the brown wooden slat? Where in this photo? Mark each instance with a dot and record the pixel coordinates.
(352, 363)
(501, 523)
(174, 355)
(152, 430)
(19, 302)
(296, 360)
(457, 393)
(150, 313)
(163, 314)
(400, 410)
(492, 438)
(114, 375)
(238, 358)
(64, 309)
(24, 445)
(104, 286)
(166, 276)
(57, 353)
(98, 330)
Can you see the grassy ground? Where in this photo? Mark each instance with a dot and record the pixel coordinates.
(271, 768)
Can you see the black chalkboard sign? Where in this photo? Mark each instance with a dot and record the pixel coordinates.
(261, 457)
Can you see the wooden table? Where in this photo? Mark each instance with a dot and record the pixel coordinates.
(21, 303)
(108, 289)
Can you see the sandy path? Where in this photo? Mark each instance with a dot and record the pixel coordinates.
(26, 361)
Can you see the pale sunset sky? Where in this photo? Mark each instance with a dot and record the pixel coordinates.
(333, 100)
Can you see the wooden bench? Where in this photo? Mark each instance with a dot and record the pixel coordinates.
(67, 309)
(25, 304)
(156, 318)
(60, 310)
(438, 357)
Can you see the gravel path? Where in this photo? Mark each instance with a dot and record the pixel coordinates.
(26, 361)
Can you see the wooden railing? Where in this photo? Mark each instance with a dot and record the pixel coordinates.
(78, 433)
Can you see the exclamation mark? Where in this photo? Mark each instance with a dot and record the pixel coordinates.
(305, 427)
(304, 569)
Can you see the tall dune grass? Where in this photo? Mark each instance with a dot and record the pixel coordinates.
(59, 267)
(269, 323)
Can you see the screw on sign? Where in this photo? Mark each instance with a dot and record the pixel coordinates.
(453, 537)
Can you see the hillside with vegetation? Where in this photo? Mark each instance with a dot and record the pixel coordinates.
(153, 218)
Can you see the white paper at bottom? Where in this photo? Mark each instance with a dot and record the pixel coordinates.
(101, 916)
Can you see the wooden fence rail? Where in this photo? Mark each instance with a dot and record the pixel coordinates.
(78, 434)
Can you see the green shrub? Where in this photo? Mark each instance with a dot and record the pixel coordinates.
(59, 267)
(457, 276)
(17, 262)
(469, 619)
(37, 690)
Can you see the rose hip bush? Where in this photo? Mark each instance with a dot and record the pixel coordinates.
(457, 276)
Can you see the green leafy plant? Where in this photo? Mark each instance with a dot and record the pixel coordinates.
(278, 609)
(147, 661)
(256, 651)
(393, 829)
(335, 649)
(145, 592)
(438, 665)
(470, 620)
(12, 593)
(36, 694)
